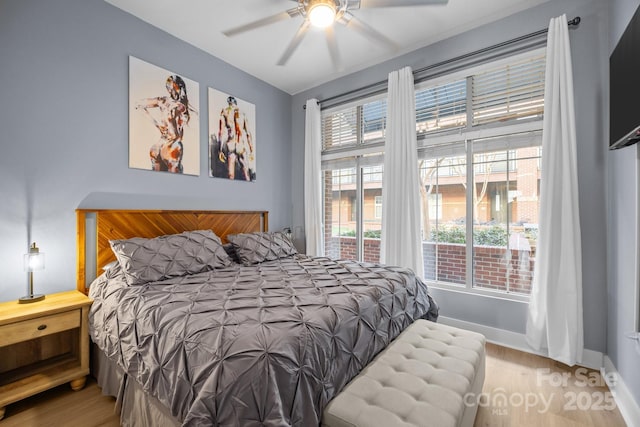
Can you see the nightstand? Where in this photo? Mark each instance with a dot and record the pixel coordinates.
(42, 345)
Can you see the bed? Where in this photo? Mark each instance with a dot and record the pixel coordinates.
(189, 338)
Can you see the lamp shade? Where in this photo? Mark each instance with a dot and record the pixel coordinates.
(34, 260)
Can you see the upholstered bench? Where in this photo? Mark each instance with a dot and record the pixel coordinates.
(420, 379)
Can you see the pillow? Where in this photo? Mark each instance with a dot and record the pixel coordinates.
(109, 265)
(252, 248)
(149, 260)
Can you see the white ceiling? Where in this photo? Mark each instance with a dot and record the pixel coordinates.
(201, 22)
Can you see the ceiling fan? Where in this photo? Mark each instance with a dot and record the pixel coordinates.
(322, 14)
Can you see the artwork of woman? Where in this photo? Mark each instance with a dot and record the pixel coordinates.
(232, 137)
(170, 114)
(166, 154)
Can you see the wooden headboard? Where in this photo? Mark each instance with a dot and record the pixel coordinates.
(125, 224)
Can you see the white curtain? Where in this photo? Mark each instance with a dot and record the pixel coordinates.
(555, 319)
(401, 242)
(313, 180)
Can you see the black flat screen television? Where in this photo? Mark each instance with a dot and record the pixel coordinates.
(624, 87)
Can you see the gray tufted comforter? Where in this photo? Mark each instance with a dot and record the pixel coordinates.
(268, 344)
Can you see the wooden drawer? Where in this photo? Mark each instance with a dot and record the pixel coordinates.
(34, 328)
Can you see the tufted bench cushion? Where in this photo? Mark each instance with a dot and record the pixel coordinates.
(420, 379)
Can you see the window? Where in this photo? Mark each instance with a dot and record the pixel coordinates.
(353, 213)
(372, 174)
(479, 137)
(352, 126)
(491, 162)
(339, 213)
(441, 107)
(514, 91)
(506, 205)
(339, 129)
(374, 120)
(344, 176)
(378, 207)
(435, 206)
(444, 217)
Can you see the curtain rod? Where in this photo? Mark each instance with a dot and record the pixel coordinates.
(575, 22)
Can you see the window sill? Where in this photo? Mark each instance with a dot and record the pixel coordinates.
(509, 296)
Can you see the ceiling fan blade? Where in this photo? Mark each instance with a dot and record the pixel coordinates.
(261, 22)
(399, 3)
(366, 30)
(295, 42)
(333, 48)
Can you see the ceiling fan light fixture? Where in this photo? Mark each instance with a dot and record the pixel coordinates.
(322, 13)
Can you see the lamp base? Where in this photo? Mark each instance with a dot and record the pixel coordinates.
(30, 298)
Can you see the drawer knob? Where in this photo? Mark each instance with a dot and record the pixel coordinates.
(42, 327)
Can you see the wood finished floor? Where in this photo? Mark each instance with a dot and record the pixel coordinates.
(563, 396)
(510, 373)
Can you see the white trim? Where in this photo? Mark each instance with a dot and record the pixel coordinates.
(475, 290)
(624, 399)
(353, 151)
(590, 358)
(480, 132)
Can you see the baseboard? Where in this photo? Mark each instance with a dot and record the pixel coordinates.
(590, 358)
(624, 399)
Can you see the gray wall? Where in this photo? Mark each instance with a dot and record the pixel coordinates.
(590, 61)
(622, 223)
(64, 121)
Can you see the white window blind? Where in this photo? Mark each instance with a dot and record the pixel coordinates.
(340, 128)
(511, 91)
(374, 120)
(441, 107)
(352, 125)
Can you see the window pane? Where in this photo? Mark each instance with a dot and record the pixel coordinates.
(340, 128)
(340, 213)
(443, 218)
(514, 91)
(435, 206)
(372, 212)
(378, 202)
(506, 204)
(343, 176)
(441, 107)
(354, 125)
(374, 120)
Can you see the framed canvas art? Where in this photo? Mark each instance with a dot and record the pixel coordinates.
(164, 131)
(232, 137)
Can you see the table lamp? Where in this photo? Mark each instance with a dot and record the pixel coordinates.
(34, 260)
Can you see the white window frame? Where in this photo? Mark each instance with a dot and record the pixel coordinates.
(448, 138)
